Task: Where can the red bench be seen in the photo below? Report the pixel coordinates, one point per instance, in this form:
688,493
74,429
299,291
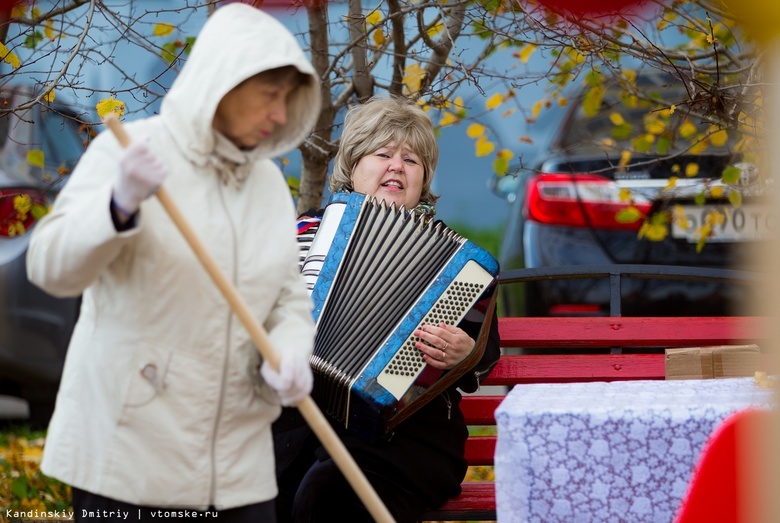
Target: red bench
551,338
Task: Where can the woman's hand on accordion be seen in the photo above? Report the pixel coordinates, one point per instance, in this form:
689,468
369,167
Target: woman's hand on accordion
443,346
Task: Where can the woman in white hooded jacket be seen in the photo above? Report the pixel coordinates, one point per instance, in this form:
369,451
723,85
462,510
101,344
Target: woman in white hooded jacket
161,405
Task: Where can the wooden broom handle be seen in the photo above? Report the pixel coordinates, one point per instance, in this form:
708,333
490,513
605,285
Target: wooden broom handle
307,407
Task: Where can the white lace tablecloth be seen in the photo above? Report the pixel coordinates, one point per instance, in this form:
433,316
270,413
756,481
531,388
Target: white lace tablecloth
604,452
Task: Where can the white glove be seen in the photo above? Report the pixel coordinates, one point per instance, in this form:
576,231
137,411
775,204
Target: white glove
294,380
141,172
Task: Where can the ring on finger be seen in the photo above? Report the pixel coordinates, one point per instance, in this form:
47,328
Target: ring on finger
443,355
444,349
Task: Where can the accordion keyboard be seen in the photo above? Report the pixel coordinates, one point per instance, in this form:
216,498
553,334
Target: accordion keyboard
407,364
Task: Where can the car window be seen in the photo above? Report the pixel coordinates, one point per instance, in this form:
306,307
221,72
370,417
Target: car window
62,143
622,120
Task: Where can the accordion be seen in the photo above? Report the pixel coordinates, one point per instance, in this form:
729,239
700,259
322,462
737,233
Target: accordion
378,274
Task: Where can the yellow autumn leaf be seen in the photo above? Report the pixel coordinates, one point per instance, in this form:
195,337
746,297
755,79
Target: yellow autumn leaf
692,169
616,119
526,139
680,218
448,119
458,103
501,163
715,218
374,17
537,108
435,29
526,52
630,75
624,195
687,129
48,29
719,137
108,105
22,204
49,97
735,198
500,166
702,233
628,214
19,11
509,112
379,38
672,109
655,232
625,158
413,77
35,158
699,147
9,56
563,101
607,143
483,146
717,191
655,125
494,101
671,184
33,454
162,29
475,130
505,154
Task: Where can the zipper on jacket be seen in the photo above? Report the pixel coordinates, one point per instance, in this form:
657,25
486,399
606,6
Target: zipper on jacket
446,396
479,373
226,359
478,376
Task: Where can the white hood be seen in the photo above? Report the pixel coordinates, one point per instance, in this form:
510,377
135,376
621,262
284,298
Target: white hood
236,43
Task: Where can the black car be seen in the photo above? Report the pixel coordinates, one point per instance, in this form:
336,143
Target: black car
39,145
579,201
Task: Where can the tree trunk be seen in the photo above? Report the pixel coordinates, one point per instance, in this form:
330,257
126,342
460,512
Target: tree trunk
318,150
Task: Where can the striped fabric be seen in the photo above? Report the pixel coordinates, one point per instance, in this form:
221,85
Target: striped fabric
307,228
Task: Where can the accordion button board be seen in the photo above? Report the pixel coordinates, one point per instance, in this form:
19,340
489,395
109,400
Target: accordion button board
407,364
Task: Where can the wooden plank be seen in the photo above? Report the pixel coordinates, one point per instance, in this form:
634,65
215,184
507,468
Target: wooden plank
480,450
477,502
633,332
478,410
511,370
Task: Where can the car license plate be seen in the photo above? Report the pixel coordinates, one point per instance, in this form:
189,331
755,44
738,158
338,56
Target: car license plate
744,223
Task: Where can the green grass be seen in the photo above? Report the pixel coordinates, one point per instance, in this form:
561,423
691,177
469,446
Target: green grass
489,239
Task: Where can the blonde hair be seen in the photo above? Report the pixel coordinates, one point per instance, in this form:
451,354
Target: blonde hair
377,123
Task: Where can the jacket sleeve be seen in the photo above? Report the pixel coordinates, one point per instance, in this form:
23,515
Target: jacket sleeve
77,240
472,325
290,323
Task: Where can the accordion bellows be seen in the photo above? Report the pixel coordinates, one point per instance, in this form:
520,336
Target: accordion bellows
381,273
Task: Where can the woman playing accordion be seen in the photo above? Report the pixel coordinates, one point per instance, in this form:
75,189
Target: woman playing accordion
389,152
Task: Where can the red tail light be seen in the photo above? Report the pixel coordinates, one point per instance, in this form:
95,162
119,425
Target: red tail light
580,200
19,209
